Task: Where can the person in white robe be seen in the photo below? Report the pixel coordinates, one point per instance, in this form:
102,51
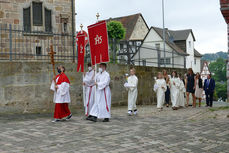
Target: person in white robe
160,88
89,85
102,106
131,85
182,91
61,95
174,90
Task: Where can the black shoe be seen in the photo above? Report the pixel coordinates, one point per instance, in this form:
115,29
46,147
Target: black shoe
88,118
69,116
106,120
93,119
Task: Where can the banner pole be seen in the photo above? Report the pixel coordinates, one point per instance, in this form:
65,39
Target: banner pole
97,16
95,79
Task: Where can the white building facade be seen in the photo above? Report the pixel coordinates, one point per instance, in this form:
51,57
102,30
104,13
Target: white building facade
151,52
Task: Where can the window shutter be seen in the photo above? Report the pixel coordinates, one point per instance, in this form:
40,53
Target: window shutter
26,19
37,14
48,20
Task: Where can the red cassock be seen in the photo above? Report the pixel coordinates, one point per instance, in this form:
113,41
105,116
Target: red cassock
62,97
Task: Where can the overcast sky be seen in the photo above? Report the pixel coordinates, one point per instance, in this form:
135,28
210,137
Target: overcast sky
203,16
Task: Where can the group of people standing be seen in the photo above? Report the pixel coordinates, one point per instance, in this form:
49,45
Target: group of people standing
176,87
97,101
97,93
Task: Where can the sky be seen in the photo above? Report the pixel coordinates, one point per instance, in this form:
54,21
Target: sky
202,16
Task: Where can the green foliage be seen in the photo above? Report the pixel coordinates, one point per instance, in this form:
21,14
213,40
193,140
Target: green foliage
116,30
219,108
218,68
221,90
215,96
215,56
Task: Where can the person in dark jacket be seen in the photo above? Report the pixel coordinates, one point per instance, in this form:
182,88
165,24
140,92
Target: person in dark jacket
167,93
209,87
198,88
190,87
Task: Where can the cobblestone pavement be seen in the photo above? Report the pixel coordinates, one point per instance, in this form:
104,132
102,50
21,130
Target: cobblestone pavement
185,130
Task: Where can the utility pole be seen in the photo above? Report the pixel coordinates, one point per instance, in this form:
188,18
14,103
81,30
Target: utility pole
163,18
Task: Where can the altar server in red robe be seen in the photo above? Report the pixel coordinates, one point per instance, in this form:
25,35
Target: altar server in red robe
61,95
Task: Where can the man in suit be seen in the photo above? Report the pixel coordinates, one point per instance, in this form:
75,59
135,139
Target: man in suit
209,87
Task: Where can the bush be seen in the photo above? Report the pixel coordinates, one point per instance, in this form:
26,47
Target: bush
221,90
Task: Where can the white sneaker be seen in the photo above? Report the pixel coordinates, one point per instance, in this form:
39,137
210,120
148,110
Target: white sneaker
129,113
135,112
56,120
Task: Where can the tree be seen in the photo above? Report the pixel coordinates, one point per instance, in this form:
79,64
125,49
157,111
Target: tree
218,69
116,30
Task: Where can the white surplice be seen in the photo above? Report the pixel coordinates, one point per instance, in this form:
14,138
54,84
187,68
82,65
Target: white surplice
160,88
102,105
89,91
62,94
131,85
181,93
174,91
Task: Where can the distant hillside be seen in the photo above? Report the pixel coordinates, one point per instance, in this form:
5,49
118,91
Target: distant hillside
213,57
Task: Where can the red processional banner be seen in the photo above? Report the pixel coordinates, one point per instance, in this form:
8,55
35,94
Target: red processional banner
98,40
82,40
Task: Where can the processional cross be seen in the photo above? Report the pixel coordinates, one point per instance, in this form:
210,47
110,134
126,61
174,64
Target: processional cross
51,54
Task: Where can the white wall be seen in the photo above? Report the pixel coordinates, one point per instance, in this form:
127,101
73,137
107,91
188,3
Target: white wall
190,51
140,30
196,67
190,60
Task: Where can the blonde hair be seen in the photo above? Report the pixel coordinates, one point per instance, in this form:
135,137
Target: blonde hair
133,69
159,74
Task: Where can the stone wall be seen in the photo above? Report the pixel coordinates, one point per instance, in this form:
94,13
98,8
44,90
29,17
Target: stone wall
11,11
24,86
37,40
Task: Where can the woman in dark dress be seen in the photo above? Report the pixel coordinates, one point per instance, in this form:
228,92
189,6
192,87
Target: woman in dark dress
190,87
167,93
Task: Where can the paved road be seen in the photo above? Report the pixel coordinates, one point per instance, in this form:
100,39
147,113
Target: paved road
186,130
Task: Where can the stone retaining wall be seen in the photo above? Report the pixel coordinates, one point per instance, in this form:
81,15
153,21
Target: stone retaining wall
24,86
